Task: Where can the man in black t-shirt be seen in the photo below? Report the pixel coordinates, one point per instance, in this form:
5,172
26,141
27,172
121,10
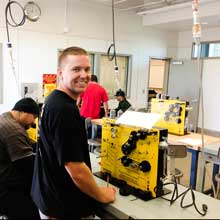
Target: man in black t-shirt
63,184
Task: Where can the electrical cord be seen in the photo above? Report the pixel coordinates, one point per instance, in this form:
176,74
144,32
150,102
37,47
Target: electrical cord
197,38
13,23
112,46
10,21
176,195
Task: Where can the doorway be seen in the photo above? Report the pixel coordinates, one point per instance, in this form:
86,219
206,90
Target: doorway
158,77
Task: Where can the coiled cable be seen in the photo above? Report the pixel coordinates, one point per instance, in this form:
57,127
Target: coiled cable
112,46
8,14
176,195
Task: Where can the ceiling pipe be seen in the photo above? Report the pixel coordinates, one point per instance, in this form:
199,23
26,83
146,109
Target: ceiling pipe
120,1
173,7
143,5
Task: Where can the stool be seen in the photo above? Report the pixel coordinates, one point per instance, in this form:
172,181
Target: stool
94,145
94,142
178,175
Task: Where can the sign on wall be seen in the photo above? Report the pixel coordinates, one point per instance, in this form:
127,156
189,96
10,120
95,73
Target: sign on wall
49,83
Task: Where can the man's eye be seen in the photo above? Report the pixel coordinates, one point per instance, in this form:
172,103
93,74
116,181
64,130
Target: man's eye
76,69
87,70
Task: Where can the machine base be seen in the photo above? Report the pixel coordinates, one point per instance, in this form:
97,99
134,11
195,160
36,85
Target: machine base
125,189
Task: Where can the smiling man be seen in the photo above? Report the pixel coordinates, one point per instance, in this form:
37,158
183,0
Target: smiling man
63,184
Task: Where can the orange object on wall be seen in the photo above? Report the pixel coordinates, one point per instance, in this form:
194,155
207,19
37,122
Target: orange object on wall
49,79
49,83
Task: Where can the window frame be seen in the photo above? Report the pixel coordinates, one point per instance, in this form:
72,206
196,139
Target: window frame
205,56
97,67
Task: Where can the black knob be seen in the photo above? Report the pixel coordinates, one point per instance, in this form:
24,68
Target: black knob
178,120
126,161
145,166
133,136
128,148
142,134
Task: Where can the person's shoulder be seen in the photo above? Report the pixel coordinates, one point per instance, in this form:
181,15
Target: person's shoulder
6,117
3,115
58,102
127,101
102,88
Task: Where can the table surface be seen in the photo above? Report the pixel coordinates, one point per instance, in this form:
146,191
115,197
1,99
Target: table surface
126,207
213,148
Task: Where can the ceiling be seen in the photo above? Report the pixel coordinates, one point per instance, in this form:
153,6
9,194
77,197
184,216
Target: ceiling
146,7
138,6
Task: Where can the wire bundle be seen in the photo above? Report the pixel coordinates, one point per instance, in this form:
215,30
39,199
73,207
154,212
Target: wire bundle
176,195
8,14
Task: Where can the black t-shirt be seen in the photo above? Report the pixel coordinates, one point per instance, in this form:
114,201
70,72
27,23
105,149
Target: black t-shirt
62,139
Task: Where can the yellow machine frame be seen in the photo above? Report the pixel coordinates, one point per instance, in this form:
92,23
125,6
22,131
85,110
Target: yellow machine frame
174,113
130,156
32,132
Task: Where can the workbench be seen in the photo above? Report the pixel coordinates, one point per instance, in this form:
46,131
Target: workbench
129,207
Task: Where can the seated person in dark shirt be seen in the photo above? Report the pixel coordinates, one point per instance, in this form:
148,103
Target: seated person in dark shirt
17,161
123,104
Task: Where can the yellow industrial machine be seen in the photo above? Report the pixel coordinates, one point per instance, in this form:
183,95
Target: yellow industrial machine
131,159
174,113
48,88
32,132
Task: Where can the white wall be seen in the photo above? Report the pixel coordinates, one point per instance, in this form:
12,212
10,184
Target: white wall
185,40
211,76
211,88
36,44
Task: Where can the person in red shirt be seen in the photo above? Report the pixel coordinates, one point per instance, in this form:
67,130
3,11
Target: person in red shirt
92,99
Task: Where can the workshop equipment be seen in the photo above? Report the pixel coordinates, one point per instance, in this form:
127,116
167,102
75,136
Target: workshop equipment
132,159
174,114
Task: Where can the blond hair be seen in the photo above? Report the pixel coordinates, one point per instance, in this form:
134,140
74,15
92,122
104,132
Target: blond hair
71,51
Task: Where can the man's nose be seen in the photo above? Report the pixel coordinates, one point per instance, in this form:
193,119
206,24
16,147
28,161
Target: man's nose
84,73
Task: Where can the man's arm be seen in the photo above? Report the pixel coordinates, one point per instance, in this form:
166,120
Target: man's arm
105,105
84,180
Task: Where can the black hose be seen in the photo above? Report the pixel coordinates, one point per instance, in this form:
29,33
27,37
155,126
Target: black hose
176,196
8,13
112,46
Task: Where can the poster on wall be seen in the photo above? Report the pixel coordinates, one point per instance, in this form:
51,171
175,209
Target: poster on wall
49,83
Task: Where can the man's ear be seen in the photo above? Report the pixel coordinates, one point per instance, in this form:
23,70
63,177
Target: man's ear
60,73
